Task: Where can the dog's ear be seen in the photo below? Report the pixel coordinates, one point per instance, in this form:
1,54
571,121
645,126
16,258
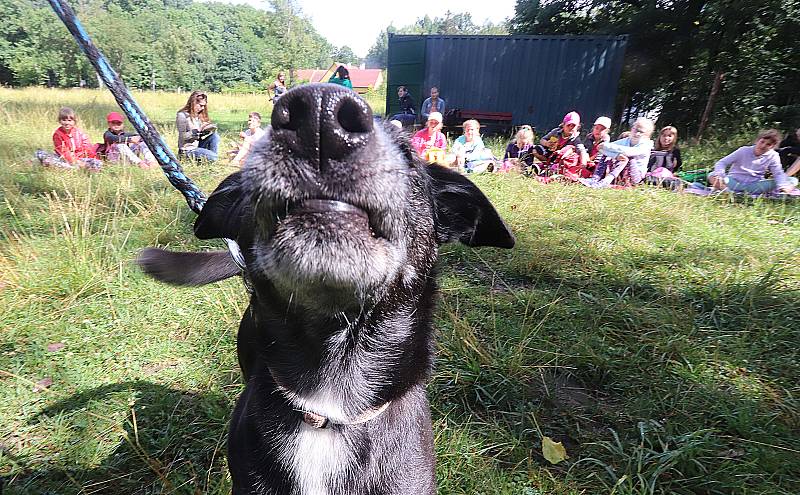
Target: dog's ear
178,268
223,213
464,213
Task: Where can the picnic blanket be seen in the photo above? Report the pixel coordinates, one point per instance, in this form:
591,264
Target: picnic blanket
698,175
702,190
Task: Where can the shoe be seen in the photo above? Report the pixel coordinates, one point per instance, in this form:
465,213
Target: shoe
41,155
588,182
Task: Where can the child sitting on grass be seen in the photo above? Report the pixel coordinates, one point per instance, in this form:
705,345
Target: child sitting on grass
563,136
71,145
249,136
626,159
789,151
519,152
665,159
592,142
430,138
120,145
469,153
744,169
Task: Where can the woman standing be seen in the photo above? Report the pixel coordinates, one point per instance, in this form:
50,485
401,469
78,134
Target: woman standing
278,87
341,77
197,136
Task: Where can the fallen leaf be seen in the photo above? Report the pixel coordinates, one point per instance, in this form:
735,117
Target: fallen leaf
55,347
553,451
43,384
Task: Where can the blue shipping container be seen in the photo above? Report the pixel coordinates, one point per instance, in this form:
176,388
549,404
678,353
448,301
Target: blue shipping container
537,79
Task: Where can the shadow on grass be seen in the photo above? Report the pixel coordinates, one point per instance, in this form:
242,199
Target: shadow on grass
609,349
132,437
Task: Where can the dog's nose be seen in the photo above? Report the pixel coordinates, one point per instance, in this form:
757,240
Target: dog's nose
322,122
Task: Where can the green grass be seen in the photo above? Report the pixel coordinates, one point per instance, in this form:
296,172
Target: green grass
655,335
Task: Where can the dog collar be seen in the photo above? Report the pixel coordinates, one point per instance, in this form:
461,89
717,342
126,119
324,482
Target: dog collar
316,421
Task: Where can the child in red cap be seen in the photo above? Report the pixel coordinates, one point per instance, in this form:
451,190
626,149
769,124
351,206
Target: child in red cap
71,145
120,145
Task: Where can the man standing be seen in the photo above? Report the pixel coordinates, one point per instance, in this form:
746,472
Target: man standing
432,104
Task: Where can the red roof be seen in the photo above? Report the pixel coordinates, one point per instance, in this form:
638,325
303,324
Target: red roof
361,78
311,75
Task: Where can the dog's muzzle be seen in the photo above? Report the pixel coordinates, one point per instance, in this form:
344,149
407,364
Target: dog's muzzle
321,123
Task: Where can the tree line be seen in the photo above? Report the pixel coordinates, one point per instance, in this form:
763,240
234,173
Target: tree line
450,23
725,63
696,62
162,44
728,64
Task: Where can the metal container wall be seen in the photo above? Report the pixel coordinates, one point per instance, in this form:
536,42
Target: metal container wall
536,78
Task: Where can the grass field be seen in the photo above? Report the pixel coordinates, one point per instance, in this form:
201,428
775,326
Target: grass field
654,334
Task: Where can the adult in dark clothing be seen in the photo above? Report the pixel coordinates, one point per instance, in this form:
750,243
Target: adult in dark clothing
197,135
789,151
278,87
408,113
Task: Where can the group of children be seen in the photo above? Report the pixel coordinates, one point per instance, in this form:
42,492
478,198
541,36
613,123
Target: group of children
73,149
197,139
596,161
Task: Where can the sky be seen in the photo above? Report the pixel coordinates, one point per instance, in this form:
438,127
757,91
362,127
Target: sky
358,24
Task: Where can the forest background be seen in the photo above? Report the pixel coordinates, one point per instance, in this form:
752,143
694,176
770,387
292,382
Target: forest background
723,64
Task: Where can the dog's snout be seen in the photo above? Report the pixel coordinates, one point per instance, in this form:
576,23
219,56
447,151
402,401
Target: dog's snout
322,122
294,112
353,115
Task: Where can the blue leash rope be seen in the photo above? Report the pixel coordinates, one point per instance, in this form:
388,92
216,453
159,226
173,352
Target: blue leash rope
166,159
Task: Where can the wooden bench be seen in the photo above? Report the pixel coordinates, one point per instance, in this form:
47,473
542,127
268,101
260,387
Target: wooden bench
491,122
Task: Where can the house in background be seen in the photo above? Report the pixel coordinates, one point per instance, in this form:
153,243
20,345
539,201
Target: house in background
363,79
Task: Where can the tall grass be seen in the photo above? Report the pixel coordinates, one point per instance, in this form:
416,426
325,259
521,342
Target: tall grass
654,334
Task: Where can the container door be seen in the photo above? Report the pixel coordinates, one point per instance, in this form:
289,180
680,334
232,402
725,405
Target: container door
405,67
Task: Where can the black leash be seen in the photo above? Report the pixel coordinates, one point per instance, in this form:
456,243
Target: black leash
166,159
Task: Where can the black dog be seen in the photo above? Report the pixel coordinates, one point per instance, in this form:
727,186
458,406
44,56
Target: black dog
339,223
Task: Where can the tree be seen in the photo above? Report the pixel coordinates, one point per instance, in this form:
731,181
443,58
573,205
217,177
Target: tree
377,55
678,50
161,43
345,55
451,23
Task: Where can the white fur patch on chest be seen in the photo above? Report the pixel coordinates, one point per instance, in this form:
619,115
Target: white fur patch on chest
317,458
